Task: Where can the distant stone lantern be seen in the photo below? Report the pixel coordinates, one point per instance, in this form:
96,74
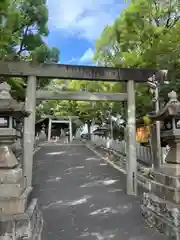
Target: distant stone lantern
170,131
20,217
161,207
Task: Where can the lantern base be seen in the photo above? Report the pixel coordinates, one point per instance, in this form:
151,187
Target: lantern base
161,207
27,225
12,190
15,205
173,155
162,215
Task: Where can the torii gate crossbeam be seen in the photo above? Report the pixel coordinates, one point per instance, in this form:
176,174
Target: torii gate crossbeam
81,96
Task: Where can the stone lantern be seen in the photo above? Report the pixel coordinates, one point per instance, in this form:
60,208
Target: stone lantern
17,209
161,207
11,115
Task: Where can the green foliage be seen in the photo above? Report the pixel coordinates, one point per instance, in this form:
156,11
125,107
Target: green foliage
145,35
96,110
23,24
86,110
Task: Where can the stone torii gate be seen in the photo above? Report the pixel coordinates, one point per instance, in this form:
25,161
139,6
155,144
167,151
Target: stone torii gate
33,71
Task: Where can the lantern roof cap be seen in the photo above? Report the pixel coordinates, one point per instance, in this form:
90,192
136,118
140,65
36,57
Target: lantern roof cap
8,105
171,109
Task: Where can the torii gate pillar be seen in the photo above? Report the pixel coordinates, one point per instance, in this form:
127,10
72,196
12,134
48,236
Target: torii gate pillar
131,181
29,129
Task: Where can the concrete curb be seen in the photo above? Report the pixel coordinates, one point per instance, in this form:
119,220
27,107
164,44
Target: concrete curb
64,144
112,164
38,147
106,159
36,150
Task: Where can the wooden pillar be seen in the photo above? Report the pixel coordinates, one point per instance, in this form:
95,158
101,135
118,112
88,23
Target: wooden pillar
70,130
29,129
49,129
131,144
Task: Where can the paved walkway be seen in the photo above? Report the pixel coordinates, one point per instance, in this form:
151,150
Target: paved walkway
83,198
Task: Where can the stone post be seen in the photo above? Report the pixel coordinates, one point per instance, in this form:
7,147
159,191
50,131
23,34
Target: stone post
42,135
131,164
70,130
20,217
161,207
49,129
29,129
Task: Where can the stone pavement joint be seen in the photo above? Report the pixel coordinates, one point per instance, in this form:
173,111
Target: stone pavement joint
82,197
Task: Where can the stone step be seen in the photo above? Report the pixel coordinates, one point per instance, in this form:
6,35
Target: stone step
11,175
15,205
27,225
11,190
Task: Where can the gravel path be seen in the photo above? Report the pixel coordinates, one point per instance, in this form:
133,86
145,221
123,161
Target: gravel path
81,197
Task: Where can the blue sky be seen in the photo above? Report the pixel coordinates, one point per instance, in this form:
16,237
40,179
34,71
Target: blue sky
75,25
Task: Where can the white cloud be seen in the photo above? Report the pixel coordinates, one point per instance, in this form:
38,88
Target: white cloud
73,60
87,56
82,18
84,59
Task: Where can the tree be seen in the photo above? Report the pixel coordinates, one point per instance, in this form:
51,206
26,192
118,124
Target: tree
87,111
23,27
96,110
142,37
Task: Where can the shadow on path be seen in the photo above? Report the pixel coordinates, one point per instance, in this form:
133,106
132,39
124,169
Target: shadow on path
83,198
